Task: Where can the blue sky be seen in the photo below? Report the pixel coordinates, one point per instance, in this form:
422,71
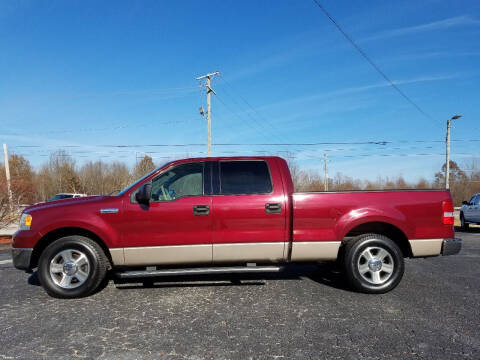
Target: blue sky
78,75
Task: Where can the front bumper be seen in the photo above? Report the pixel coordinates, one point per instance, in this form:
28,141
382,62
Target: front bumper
21,258
451,246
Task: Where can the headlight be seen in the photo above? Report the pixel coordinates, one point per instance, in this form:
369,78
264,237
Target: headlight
25,221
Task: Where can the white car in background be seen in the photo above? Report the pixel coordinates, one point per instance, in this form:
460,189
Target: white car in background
62,196
470,212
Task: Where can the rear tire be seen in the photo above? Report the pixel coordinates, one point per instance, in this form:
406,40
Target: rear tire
71,267
464,225
373,263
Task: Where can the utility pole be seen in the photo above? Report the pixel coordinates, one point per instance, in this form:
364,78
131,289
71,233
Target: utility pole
209,108
325,172
447,170
7,173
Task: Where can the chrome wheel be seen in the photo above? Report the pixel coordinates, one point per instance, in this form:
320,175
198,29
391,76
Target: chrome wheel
375,265
69,268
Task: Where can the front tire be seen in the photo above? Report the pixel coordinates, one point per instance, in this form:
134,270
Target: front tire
71,267
464,225
373,263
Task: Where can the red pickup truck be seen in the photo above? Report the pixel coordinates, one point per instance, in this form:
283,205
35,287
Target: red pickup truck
230,215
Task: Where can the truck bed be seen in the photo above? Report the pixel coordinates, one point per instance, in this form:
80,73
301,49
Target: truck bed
330,216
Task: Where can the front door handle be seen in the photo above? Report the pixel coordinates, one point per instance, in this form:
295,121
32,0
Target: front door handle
201,210
273,208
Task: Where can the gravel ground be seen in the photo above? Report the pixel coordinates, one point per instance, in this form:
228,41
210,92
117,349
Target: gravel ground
306,313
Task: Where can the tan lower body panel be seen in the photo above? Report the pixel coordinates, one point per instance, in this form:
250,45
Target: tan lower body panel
118,257
267,251
315,250
166,255
426,247
224,253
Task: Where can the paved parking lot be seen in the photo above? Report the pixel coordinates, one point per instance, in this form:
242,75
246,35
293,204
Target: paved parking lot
305,313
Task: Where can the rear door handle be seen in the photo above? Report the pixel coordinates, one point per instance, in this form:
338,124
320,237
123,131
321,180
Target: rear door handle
273,208
201,210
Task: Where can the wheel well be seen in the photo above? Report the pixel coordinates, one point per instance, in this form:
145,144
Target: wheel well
388,230
62,232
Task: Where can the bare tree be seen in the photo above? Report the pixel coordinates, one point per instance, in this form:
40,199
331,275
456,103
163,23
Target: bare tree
58,175
7,213
423,184
102,178
10,211
145,166
118,177
22,179
459,182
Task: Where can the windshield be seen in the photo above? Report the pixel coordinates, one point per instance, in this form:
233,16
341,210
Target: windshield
140,180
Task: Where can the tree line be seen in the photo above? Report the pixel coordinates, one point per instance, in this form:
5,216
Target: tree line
463,182
61,174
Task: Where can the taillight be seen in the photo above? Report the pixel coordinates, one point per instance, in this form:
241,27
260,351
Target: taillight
447,208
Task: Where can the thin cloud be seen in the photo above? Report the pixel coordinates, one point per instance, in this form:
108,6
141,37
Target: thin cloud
456,21
358,89
289,49
429,55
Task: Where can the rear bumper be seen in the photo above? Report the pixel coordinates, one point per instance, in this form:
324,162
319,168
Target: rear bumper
21,258
451,246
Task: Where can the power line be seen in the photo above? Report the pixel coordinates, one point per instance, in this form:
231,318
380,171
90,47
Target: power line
309,153
273,132
371,62
106,128
261,128
305,156
265,120
376,142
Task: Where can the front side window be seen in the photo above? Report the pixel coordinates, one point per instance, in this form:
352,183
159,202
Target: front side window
475,200
244,177
180,181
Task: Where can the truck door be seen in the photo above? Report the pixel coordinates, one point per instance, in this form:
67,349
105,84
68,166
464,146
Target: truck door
249,221
469,211
475,209
176,226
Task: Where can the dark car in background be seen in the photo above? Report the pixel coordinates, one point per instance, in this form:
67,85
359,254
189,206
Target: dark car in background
62,196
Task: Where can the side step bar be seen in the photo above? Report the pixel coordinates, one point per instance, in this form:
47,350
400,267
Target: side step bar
198,271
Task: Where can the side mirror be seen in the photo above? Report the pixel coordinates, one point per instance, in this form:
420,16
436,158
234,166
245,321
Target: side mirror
465,202
144,194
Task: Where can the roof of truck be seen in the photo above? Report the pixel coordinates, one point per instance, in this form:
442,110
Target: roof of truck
215,158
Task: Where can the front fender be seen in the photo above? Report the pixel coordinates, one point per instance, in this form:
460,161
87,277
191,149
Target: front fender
93,224
356,217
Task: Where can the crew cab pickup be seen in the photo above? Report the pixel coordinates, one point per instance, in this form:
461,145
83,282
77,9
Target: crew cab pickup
230,215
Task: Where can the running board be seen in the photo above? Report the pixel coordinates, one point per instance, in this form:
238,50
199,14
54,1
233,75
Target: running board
198,271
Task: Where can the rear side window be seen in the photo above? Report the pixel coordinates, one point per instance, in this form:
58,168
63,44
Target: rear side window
244,177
